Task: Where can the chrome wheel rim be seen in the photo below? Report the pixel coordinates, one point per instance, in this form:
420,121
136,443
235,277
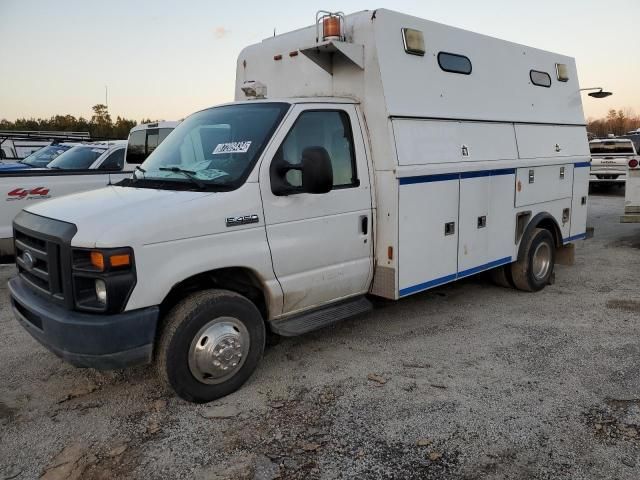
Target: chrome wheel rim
541,263
219,350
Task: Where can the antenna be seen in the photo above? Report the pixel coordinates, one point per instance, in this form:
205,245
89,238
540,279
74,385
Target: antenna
106,104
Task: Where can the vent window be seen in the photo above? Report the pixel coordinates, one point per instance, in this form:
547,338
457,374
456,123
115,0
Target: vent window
541,79
454,63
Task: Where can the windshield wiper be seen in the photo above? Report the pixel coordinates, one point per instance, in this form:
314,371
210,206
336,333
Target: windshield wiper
190,174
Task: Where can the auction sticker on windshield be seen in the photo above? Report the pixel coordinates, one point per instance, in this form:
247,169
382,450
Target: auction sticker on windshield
232,147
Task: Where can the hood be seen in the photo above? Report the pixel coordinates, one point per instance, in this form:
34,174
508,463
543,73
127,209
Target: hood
125,216
4,166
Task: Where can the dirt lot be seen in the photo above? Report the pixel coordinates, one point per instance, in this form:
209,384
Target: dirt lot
466,381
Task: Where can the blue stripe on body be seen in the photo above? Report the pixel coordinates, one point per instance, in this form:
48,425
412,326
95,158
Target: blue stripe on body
450,278
580,236
441,177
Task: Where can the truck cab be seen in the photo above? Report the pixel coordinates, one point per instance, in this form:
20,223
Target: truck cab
327,181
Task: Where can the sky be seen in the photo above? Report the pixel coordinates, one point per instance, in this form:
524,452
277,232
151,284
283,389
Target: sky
166,59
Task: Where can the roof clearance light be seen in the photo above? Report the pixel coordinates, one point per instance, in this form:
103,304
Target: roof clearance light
413,41
562,72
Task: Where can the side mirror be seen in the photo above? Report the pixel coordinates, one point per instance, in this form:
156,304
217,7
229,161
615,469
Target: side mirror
316,170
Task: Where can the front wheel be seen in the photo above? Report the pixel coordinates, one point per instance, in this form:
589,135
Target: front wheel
535,269
211,343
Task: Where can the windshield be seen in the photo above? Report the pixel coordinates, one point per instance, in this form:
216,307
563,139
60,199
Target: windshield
612,148
78,158
45,155
218,147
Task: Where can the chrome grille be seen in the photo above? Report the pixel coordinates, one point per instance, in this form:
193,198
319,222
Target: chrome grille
37,260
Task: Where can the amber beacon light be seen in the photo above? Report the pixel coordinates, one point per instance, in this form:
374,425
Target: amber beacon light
332,24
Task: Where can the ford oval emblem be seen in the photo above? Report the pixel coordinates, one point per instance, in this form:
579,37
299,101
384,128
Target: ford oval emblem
28,260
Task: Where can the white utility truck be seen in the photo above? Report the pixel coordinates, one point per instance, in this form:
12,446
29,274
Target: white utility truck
369,154
18,144
79,168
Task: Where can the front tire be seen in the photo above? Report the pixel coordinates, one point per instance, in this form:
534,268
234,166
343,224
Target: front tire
211,343
535,269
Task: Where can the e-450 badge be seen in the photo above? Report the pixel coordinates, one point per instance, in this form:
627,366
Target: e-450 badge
235,221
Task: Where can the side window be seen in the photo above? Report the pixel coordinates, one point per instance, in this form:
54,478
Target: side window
540,79
115,161
454,63
329,129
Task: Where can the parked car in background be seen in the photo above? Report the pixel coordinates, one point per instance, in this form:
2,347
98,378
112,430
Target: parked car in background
38,159
634,136
78,169
144,138
94,155
609,160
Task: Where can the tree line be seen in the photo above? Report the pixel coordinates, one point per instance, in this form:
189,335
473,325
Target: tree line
99,126
617,122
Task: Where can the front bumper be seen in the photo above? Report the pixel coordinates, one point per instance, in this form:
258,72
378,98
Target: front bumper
103,342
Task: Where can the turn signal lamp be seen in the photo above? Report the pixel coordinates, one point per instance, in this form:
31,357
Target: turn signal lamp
123,260
97,260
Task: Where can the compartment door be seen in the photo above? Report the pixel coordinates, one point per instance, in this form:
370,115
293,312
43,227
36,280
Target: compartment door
428,233
543,184
473,246
579,200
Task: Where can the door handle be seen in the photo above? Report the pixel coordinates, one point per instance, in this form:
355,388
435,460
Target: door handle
364,224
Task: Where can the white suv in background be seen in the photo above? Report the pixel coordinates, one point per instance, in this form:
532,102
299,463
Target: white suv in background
609,160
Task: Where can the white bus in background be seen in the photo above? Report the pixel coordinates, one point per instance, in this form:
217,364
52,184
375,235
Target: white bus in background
374,154
144,138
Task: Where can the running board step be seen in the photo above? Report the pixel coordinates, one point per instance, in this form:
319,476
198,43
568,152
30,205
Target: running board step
321,317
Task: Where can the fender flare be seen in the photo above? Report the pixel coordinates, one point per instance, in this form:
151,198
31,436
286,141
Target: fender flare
546,221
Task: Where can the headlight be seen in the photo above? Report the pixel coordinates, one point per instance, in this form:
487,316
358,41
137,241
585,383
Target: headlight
103,278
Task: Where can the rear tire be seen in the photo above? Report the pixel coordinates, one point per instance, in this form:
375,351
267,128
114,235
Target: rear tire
501,276
210,344
535,269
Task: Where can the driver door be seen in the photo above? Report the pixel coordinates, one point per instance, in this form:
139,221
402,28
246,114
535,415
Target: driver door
321,244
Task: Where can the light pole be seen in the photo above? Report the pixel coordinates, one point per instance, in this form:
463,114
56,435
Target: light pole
598,94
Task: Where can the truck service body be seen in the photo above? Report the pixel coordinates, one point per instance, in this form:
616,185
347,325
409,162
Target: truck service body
369,154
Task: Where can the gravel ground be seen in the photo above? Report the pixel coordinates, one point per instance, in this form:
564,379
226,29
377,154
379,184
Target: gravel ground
466,381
